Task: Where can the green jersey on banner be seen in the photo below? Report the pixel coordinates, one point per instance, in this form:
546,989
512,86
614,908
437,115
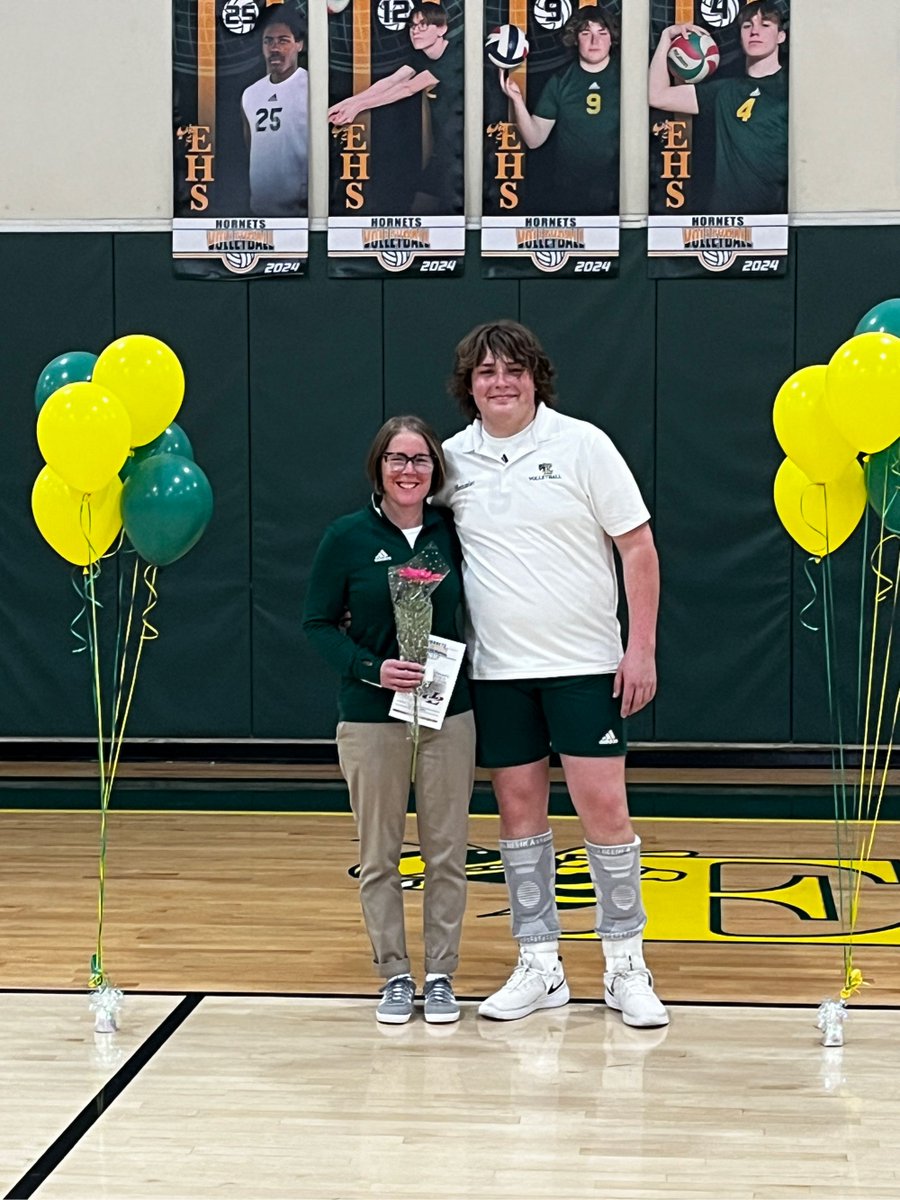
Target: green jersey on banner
751,135
585,107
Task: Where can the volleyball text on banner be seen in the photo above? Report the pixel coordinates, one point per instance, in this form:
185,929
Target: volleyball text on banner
551,138
241,136
718,94
395,121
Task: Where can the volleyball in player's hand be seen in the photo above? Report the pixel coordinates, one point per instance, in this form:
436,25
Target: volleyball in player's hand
336,6
693,57
506,47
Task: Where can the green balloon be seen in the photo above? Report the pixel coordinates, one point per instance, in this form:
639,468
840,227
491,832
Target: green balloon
75,366
166,505
883,485
172,440
883,318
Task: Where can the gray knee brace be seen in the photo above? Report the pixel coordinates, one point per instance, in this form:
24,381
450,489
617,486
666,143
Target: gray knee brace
530,868
616,872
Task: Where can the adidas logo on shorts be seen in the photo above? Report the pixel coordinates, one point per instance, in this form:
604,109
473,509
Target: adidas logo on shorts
382,556
608,739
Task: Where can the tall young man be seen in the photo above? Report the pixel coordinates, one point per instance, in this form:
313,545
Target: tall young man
542,503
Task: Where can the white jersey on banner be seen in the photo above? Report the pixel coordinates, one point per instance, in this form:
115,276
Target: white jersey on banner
277,117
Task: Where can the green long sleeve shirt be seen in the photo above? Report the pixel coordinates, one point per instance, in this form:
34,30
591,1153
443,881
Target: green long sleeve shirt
350,572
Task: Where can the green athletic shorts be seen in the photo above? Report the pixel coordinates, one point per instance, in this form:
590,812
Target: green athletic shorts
520,721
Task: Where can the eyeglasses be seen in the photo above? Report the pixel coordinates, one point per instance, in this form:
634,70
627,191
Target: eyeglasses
419,462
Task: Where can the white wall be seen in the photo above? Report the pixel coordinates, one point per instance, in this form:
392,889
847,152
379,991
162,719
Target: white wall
85,93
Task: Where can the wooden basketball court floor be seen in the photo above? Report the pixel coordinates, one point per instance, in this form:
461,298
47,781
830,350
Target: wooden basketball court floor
248,1062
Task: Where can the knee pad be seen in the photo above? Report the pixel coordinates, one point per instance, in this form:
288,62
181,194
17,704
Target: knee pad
616,872
530,868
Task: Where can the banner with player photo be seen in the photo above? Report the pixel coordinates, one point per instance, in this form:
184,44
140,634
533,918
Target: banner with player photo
395,94
240,104
718,93
551,138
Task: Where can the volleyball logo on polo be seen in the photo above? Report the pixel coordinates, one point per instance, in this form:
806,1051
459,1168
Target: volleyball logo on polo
551,14
693,57
506,47
240,16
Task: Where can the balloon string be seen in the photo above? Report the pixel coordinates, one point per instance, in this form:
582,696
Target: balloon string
91,574
814,597
872,809
870,677
863,579
885,583
838,764
823,533
122,645
120,649
98,975
78,583
148,634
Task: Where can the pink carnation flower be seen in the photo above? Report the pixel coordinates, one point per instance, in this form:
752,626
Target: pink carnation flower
419,575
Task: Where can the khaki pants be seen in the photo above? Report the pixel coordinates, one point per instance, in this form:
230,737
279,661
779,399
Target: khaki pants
375,760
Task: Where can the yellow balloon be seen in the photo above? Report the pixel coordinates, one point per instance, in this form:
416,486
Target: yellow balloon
147,377
79,527
819,516
862,390
804,429
84,434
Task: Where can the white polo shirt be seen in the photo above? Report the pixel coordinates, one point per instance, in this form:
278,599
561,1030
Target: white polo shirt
539,573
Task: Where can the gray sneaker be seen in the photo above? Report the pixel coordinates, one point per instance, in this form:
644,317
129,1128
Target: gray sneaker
440,1003
396,1005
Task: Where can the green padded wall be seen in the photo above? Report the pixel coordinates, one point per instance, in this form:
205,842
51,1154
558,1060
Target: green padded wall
56,294
194,679
723,347
316,372
288,381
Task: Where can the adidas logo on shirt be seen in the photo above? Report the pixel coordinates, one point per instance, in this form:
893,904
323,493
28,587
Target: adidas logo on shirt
608,739
274,96
382,556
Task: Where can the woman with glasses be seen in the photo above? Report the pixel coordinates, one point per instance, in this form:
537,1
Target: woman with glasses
350,575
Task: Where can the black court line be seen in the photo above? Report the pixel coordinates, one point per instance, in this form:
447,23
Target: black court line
798,1005
75,1131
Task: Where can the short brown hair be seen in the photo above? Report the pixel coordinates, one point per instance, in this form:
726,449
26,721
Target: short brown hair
514,344
430,12
590,14
382,440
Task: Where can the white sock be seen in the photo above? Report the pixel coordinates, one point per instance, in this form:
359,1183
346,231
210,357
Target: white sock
436,975
545,953
624,954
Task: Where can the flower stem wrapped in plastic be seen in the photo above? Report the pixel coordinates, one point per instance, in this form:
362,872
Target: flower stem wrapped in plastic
411,586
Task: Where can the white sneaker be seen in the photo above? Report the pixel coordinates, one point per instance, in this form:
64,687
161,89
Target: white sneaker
529,988
630,992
